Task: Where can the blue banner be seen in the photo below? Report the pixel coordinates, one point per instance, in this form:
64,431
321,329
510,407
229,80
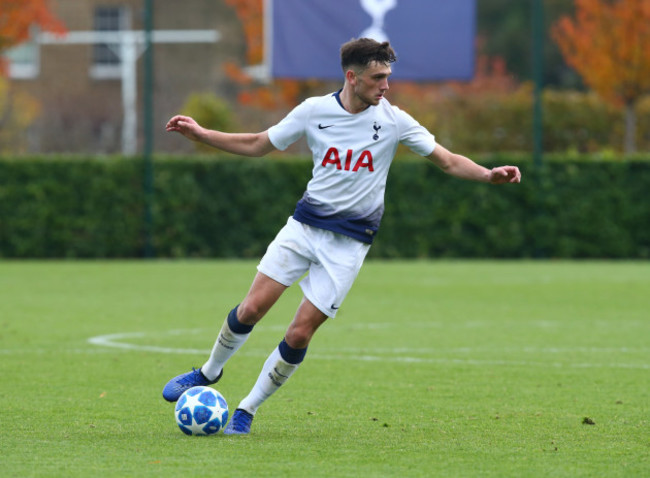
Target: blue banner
433,39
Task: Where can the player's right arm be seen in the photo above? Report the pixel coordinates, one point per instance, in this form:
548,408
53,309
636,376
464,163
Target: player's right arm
244,144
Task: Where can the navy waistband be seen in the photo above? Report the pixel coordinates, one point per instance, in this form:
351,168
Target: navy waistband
355,228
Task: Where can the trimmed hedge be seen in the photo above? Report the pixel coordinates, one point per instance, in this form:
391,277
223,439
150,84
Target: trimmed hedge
565,209
71,208
56,207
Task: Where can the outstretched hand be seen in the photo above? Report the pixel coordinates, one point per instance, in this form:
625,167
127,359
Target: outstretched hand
185,126
505,174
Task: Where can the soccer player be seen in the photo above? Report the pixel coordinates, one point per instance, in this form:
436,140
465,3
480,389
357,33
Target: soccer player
353,135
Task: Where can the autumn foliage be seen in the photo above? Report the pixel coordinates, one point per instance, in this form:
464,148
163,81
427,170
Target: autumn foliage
607,43
18,16
279,94
251,15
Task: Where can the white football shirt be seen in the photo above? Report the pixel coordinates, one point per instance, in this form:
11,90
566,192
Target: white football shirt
352,154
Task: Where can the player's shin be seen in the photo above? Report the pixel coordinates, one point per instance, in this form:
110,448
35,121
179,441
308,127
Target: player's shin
280,365
232,336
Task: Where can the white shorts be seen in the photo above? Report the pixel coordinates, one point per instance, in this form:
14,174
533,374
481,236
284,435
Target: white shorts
332,260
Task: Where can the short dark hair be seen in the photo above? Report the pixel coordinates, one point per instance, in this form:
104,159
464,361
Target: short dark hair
363,51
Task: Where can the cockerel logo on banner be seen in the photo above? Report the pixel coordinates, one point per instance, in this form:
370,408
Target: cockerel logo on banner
433,39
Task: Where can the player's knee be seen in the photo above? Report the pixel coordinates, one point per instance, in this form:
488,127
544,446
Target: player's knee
249,312
298,337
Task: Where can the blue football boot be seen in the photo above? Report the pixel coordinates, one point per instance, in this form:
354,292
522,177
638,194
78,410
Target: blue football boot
239,424
177,385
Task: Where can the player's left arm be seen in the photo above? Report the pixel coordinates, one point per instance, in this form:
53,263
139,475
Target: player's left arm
464,168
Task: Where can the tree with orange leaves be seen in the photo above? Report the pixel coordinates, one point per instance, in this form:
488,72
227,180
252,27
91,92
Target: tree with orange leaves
18,16
607,43
282,93
18,110
251,15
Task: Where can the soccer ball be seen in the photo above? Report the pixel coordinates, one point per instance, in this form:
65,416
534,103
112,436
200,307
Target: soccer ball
201,411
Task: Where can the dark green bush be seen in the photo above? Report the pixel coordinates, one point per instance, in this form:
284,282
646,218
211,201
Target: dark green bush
56,207
230,207
565,209
223,208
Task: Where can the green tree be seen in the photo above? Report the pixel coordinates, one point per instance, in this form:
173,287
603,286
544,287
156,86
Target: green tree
503,27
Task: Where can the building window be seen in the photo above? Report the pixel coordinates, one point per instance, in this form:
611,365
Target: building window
24,60
106,55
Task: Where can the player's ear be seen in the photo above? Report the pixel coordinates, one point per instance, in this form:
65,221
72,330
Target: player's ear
351,77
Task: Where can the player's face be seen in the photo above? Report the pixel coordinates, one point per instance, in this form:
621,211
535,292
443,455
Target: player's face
372,83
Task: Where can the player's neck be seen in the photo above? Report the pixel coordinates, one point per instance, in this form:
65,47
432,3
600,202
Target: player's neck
351,102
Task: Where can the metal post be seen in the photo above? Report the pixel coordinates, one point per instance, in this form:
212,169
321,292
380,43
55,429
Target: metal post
537,21
128,59
537,13
148,130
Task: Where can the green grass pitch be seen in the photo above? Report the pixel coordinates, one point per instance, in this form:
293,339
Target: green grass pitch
460,368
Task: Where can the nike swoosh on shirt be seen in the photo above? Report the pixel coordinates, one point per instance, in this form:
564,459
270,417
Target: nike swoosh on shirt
320,126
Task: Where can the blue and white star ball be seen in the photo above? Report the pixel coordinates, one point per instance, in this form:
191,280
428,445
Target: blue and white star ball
201,411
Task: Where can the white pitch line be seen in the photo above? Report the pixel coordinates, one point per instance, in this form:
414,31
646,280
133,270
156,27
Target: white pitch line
111,340
386,355
454,361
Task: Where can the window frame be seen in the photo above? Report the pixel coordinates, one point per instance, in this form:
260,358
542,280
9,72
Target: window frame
108,69
31,68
